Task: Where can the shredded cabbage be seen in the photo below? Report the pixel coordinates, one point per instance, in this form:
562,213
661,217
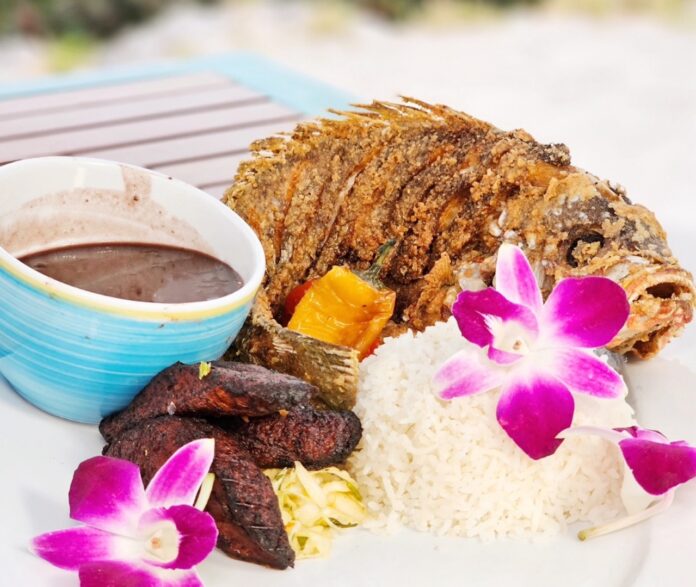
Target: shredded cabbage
314,504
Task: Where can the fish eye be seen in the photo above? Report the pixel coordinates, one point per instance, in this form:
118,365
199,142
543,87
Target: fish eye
578,247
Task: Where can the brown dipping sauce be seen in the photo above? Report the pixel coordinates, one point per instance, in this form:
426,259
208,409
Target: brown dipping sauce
139,272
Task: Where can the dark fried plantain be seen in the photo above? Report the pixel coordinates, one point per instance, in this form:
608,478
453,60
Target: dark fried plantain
316,438
243,503
230,389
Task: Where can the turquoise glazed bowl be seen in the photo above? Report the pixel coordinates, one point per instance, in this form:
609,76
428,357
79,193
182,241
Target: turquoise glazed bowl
81,355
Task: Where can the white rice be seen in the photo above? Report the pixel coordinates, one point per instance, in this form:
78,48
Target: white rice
448,467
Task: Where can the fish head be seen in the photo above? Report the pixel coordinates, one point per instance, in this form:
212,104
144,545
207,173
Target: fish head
586,226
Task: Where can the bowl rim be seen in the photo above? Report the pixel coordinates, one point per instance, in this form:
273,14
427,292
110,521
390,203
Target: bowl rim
156,311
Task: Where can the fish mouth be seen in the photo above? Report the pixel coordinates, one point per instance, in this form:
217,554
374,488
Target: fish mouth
662,304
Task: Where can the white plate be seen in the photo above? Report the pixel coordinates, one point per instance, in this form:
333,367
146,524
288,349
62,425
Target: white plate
40,452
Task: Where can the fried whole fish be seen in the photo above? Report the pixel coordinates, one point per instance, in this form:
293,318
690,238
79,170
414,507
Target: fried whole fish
449,189
230,389
242,502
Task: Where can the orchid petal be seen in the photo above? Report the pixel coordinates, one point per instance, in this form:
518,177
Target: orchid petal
645,434
533,411
502,357
70,549
635,499
476,312
125,574
514,277
657,466
582,372
179,479
616,435
464,374
195,533
108,494
585,312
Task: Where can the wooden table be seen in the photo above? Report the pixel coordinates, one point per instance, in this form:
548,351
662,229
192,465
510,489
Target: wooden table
192,120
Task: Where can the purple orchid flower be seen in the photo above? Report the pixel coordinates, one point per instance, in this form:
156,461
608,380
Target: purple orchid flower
134,536
537,352
653,468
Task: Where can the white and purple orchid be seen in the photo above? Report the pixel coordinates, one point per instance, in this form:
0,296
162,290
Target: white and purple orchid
653,468
538,353
135,536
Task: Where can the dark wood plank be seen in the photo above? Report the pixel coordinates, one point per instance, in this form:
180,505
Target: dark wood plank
205,172
217,190
126,111
72,99
116,135
168,151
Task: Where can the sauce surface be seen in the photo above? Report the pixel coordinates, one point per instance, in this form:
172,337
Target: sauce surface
139,272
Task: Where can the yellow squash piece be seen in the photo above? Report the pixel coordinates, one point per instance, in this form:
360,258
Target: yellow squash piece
347,308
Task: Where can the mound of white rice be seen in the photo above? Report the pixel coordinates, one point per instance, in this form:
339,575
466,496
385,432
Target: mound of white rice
449,468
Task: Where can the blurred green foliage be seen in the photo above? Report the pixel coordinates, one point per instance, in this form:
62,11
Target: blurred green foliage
80,19
102,18
99,18
400,9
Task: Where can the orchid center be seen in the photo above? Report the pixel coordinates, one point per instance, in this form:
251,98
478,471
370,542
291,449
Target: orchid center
511,336
162,542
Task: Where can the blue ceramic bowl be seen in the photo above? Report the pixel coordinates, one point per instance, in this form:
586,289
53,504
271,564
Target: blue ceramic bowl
81,355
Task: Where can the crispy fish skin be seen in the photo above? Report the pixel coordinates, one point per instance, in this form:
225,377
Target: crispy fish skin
450,189
316,438
264,341
242,502
229,389
616,239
